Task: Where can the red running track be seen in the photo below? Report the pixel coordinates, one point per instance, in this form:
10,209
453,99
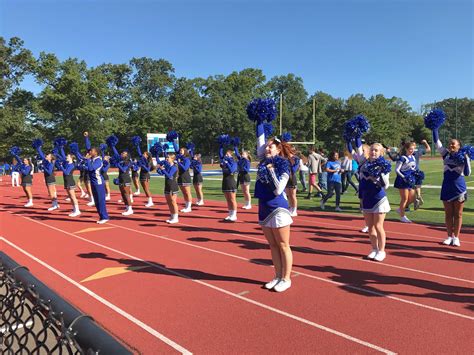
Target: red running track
196,286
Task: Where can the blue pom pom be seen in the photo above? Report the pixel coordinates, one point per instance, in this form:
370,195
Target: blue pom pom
74,147
235,141
190,146
116,181
378,167
156,149
55,152
259,110
166,147
280,165
468,150
419,177
268,130
103,147
171,136
112,140
223,139
136,140
435,119
286,137
356,127
15,150
60,142
37,143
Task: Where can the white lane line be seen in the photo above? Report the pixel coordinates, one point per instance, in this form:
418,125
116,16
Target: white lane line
102,300
254,262
173,272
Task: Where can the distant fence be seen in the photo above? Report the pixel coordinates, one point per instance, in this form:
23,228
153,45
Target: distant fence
35,320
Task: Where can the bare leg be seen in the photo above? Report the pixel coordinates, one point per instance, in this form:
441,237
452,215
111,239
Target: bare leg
275,251
448,217
457,217
378,223
282,237
369,222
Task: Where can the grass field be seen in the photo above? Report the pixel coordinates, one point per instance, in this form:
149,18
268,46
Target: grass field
431,212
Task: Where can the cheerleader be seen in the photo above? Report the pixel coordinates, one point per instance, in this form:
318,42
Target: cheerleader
124,165
135,168
229,186
86,177
243,176
146,165
457,164
170,171
196,165
93,164
26,170
405,167
334,170
65,163
373,174
273,209
184,177
419,176
104,170
15,173
48,171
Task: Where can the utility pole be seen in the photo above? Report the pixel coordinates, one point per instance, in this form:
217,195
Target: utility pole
281,114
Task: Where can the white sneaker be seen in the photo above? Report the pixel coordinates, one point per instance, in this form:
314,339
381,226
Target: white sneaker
136,193
107,198
283,285
52,208
365,229
232,218
247,207
67,199
321,204
86,196
102,221
380,256
200,203
186,210
294,214
448,241
82,194
149,204
128,212
91,204
227,218
29,204
404,219
456,242
75,214
338,209
372,254
271,284
172,221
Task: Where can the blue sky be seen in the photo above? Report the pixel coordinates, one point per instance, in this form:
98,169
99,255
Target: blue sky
419,50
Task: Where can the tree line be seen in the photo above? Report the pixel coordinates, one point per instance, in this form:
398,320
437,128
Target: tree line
145,96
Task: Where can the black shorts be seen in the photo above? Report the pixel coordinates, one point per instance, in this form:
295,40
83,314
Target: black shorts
105,176
292,182
69,183
134,174
26,180
184,179
86,178
243,178
197,179
124,179
229,184
171,187
50,180
145,176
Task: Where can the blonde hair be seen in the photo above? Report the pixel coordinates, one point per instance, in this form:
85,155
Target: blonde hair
380,146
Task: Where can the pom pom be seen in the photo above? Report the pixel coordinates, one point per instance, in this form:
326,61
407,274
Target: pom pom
259,110
419,177
116,181
171,136
15,150
468,150
60,142
355,127
166,147
112,140
286,137
55,152
136,140
435,119
235,141
156,149
74,147
378,167
190,146
268,130
103,147
280,165
37,143
135,166
223,139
